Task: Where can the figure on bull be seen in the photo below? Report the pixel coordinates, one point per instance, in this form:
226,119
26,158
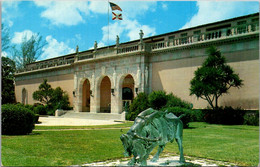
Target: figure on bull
152,128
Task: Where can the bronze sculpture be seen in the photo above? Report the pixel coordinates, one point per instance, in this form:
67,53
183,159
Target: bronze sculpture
152,128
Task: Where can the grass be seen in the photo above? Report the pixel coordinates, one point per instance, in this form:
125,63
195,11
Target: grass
236,144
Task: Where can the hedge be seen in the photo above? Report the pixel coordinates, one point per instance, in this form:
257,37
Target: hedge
178,111
17,120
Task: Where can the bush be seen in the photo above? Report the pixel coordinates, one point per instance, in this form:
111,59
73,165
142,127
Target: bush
226,116
178,111
36,118
52,98
251,118
40,109
17,120
140,103
157,99
174,101
197,115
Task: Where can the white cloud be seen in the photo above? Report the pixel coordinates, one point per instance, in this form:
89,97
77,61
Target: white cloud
132,9
164,6
64,12
212,11
74,12
4,54
18,36
55,48
7,16
128,28
98,7
78,37
6,5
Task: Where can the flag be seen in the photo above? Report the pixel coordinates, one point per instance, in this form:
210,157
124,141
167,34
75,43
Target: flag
114,6
117,16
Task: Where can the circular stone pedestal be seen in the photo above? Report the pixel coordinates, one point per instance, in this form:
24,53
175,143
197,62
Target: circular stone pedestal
168,160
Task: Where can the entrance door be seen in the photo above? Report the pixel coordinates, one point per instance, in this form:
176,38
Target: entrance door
86,96
105,95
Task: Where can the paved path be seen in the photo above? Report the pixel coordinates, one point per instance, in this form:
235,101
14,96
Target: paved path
166,160
59,121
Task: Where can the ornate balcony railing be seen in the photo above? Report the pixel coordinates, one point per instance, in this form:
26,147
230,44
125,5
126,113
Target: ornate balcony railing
128,49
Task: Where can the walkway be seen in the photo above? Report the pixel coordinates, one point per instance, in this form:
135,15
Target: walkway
59,121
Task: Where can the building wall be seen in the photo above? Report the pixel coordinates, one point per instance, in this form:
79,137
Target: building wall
31,85
175,75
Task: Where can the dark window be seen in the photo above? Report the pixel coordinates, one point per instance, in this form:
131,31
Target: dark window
241,22
127,93
255,20
197,32
184,35
218,27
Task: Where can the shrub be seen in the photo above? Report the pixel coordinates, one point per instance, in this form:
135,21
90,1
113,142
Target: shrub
17,120
52,98
226,116
140,103
40,109
197,115
36,118
157,99
251,118
30,107
174,101
178,111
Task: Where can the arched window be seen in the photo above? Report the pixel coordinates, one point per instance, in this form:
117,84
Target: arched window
24,96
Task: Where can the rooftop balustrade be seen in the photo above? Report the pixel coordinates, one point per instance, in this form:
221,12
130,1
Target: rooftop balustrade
138,46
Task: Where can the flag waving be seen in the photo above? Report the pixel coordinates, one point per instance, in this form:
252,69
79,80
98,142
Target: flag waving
117,16
114,6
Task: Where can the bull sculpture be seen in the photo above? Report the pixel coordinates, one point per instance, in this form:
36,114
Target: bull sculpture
152,128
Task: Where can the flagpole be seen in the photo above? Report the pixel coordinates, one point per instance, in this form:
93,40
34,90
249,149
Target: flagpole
108,21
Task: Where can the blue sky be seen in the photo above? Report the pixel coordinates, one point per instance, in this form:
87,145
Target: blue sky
66,24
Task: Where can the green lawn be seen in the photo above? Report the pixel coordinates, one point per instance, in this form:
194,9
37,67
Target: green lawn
237,144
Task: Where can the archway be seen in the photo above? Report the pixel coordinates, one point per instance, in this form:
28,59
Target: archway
105,95
86,96
128,90
24,96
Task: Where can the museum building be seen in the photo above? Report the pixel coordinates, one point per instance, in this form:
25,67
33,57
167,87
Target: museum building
101,80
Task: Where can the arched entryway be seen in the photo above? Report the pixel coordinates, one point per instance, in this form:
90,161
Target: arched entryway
86,96
24,96
105,95
128,89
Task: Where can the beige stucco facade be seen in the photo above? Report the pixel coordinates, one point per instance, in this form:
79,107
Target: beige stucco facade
95,79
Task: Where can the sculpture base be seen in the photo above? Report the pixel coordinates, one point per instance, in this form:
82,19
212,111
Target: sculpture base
167,160
164,161
159,163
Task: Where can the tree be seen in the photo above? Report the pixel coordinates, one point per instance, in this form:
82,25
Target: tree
29,51
59,99
214,78
5,40
52,98
8,69
44,93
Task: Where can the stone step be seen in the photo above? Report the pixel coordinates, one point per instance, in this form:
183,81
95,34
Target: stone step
97,116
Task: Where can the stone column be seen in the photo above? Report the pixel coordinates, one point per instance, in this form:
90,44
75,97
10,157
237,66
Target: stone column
116,104
93,96
95,104
249,29
77,94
